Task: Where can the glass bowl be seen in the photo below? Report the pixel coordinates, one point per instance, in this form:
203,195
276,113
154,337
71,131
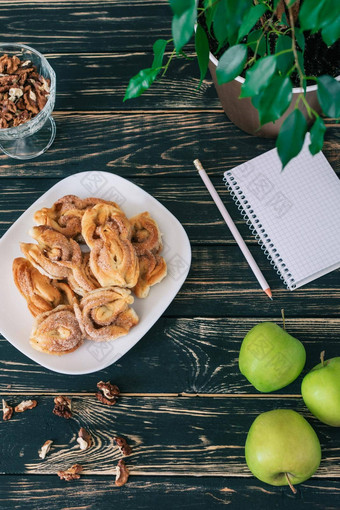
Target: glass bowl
35,136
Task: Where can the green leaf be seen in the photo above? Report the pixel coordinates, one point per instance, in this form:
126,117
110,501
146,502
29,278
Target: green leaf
158,52
202,50
236,10
258,76
180,6
252,39
228,19
141,82
301,60
284,20
183,26
331,32
286,60
317,133
249,20
231,63
309,14
210,13
330,12
291,136
274,100
329,96
220,23
300,38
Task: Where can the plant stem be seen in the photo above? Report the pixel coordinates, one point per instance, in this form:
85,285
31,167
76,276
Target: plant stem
291,22
322,358
283,318
173,53
282,52
311,112
203,9
294,491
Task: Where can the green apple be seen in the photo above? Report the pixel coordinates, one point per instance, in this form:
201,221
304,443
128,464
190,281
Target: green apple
282,448
320,390
270,358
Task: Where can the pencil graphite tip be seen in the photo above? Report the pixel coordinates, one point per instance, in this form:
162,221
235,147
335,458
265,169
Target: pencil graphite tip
269,293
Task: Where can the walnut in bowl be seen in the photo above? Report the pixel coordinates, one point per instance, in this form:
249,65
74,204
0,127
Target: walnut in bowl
27,97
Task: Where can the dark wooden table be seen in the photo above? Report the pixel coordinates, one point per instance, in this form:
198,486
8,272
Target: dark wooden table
185,408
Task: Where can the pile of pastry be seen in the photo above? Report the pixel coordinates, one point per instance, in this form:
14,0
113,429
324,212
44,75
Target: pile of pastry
75,294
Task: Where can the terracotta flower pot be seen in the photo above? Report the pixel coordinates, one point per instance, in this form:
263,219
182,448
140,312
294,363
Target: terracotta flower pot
242,113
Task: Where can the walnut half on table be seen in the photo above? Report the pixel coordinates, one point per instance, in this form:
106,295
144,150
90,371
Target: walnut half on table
72,473
62,407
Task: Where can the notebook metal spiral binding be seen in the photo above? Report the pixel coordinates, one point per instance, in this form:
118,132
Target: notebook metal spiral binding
261,237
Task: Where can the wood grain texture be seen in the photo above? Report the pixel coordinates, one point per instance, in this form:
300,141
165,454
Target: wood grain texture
196,356
99,492
148,144
98,82
221,284
188,437
169,436
94,25
200,216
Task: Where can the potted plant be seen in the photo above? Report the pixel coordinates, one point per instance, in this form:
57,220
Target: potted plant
274,63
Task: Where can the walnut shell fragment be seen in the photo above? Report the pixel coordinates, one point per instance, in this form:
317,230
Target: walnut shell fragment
122,474
84,439
123,446
108,393
45,448
7,411
25,405
72,473
62,407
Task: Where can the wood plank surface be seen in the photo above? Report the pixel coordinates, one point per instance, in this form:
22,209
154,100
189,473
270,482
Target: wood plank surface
98,82
185,408
93,25
202,436
177,356
220,281
99,492
148,144
200,216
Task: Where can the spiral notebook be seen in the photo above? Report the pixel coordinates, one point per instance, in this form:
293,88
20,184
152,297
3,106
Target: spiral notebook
294,214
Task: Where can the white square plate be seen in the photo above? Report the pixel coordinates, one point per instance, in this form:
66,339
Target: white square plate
15,318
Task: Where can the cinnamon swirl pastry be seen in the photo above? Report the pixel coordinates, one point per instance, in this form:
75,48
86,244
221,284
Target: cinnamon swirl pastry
56,331
104,314
68,297
41,293
152,270
54,255
114,262
81,279
101,220
66,213
145,234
